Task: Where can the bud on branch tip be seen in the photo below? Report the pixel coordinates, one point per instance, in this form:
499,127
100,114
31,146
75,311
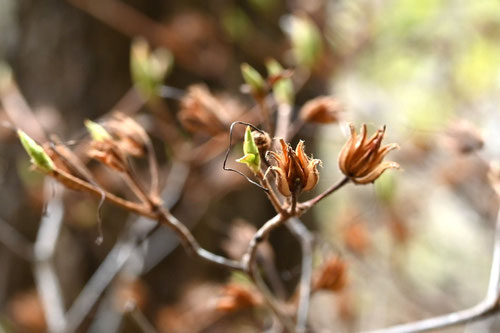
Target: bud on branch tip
253,79
251,152
96,131
38,155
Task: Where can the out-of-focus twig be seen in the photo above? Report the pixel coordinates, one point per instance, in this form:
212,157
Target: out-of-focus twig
46,278
249,266
487,307
306,239
141,320
283,121
122,251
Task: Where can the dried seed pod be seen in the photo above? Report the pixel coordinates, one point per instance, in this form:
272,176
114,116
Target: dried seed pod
236,297
201,112
294,170
356,237
132,138
361,159
262,140
322,110
332,275
108,153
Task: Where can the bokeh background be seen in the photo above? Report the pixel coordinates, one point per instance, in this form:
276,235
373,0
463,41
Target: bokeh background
417,243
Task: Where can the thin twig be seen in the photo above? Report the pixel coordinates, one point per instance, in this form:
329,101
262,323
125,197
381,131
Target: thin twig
310,203
283,121
141,320
248,262
269,298
46,279
306,239
271,194
266,116
488,306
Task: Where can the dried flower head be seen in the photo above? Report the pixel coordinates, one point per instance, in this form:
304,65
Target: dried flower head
236,297
132,138
294,170
108,153
332,275
201,112
361,158
356,237
323,110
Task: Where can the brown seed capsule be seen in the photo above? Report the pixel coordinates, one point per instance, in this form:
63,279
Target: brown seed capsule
201,112
132,138
236,297
108,153
294,170
323,110
332,275
361,159
262,140
356,237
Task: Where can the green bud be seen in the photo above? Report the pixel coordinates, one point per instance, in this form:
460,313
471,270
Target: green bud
96,131
149,68
306,41
38,155
253,79
251,153
283,88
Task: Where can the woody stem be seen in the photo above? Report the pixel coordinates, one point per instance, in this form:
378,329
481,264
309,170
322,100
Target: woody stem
153,211
310,203
270,192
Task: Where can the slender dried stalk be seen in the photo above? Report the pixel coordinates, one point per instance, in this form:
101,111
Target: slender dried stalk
305,238
310,203
48,286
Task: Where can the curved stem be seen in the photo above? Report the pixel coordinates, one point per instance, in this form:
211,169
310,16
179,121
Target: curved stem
310,203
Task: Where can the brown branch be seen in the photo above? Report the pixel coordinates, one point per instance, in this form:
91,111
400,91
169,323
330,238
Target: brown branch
310,203
248,262
305,238
78,184
156,213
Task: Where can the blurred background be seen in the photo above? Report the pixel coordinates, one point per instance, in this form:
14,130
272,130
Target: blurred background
416,244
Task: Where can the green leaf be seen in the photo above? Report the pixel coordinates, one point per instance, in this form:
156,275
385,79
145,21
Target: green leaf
149,68
251,153
253,79
306,41
38,155
283,88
